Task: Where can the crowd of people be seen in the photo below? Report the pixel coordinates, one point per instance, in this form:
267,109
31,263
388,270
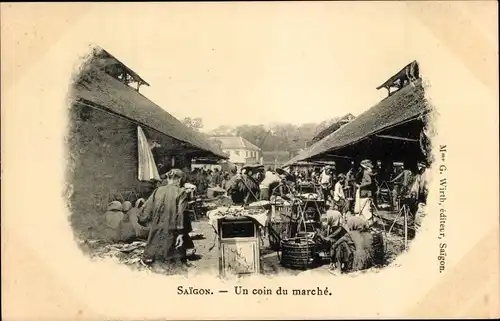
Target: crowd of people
352,197
357,190
161,218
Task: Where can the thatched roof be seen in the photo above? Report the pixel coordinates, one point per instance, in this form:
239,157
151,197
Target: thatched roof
333,127
404,105
97,89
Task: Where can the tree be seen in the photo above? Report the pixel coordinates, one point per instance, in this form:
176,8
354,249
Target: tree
255,134
275,137
216,143
223,130
195,123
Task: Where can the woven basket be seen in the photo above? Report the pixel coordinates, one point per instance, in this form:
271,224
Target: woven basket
298,252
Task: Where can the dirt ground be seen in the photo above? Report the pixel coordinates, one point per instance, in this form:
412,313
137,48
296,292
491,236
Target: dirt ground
205,260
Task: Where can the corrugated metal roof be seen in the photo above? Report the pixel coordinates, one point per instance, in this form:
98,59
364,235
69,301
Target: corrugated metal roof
96,87
235,142
405,104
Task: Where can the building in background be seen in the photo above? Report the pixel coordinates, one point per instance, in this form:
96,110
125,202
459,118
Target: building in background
240,151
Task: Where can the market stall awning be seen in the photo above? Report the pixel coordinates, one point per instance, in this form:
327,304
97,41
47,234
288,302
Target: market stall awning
404,105
97,89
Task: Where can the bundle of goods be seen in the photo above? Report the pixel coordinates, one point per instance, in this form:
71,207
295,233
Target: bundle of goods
309,196
383,206
277,199
258,214
307,188
220,201
259,205
229,210
298,252
214,192
207,206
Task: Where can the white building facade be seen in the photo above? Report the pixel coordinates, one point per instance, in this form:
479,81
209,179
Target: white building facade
240,151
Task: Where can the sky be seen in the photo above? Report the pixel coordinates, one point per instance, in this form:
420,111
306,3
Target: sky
260,63
290,62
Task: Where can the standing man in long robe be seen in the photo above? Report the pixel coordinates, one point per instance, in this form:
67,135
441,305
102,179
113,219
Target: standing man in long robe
169,226
366,187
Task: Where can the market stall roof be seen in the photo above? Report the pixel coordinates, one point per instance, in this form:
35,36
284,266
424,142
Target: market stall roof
104,59
97,89
333,127
404,105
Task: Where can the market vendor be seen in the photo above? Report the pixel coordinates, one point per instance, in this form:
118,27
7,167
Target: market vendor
339,198
270,181
365,190
216,178
231,178
402,184
169,226
337,240
326,181
333,218
285,188
121,224
243,189
419,191
359,231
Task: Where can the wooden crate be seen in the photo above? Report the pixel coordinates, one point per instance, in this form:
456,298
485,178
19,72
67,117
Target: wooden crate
239,246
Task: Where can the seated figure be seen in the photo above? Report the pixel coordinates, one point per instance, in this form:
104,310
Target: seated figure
122,222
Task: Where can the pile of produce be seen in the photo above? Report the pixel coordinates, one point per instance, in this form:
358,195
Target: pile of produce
309,196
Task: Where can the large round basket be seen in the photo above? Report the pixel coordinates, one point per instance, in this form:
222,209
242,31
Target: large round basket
298,252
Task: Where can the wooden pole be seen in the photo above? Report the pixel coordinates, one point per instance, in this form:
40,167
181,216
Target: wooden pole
406,227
